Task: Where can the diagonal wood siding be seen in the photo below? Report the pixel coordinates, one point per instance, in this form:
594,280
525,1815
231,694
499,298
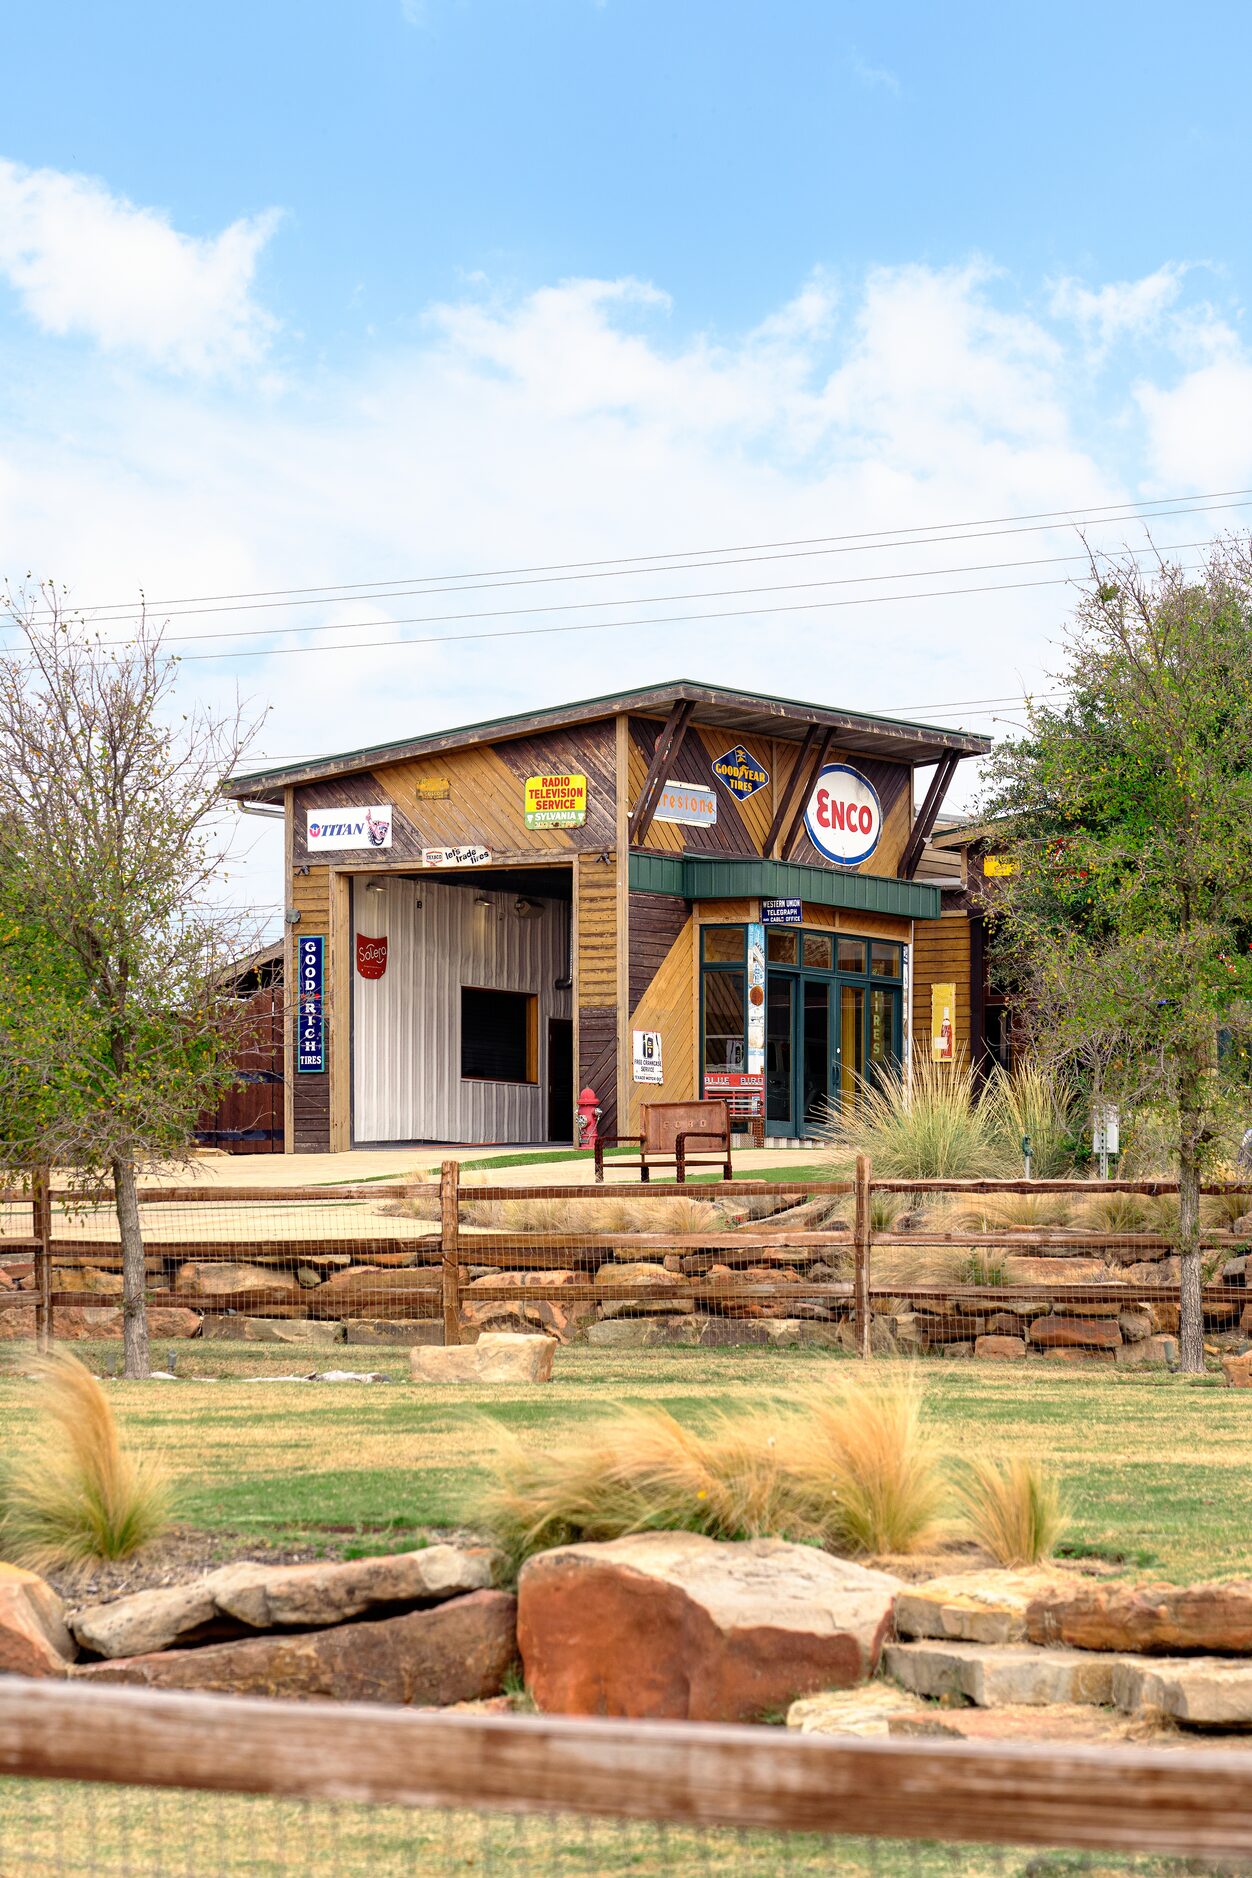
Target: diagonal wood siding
667,1005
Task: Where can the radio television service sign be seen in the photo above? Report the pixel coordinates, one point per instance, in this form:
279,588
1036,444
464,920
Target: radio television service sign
843,816
555,801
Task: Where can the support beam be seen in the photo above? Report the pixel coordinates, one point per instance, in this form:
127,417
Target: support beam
797,814
673,731
793,783
919,835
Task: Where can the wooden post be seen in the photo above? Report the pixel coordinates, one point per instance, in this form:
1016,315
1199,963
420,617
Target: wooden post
41,1208
863,1235
450,1238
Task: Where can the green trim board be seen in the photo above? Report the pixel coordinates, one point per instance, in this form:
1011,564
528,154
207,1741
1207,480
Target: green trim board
708,877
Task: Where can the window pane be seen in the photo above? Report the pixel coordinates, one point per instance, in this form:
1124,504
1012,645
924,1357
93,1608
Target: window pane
852,955
724,1020
723,945
818,951
782,948
882,1029
884,960
498,1032
851,1042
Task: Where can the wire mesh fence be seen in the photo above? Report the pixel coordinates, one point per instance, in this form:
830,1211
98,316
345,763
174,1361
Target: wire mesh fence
1077,1272
137,1784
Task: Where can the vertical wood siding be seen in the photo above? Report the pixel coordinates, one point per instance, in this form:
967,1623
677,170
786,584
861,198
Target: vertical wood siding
596,979
666,1004
406,1025
310,1095
941,956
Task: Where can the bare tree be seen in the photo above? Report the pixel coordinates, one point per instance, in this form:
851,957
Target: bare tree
116,1025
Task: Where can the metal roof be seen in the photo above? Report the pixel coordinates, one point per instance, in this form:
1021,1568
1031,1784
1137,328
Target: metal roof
706,877
742,712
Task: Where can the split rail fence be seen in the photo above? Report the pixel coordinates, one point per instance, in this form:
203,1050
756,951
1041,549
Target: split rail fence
867,1264
134,1782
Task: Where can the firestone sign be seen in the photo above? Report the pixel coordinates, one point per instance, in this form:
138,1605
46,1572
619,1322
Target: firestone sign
843,815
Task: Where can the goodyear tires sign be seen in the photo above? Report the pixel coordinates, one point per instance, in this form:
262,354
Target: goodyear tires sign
740,772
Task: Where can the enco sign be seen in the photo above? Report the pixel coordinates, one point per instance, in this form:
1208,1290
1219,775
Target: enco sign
844,815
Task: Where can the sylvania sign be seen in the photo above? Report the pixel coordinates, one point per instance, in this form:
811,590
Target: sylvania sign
844,815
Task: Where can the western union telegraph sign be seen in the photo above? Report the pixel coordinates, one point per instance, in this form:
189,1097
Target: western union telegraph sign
740,773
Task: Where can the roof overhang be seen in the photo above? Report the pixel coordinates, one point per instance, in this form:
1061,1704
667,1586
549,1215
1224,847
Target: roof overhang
739,713
708,877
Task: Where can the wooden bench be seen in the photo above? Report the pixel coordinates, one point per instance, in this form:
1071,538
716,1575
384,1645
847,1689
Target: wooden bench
668,1128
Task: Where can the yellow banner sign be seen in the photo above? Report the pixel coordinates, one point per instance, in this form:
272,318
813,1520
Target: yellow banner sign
555,801
943,1023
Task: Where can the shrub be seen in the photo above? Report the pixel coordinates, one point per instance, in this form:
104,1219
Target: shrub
79,1497
976,1268
1040,1103
1006,1212
864,1471
848,1465
928,1127
1013,1509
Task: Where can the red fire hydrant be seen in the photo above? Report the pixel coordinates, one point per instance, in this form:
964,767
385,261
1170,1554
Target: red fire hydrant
589,1113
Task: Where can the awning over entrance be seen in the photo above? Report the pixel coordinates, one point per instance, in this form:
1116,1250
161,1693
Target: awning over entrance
701,877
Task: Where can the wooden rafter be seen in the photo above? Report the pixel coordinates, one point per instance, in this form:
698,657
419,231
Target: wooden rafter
919,834
793,783
797,814
672,733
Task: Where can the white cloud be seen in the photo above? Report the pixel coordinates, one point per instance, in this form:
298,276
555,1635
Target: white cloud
86,262
874,77
1121,308
576,423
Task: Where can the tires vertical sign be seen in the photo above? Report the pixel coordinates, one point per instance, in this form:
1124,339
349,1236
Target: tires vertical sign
310,1016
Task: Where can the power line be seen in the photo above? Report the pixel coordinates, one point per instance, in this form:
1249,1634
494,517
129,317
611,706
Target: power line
573,606
599,626
922,534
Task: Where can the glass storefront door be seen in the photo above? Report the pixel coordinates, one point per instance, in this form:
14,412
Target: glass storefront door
833,1018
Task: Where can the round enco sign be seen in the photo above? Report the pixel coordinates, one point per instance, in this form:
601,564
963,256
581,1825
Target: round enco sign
844,815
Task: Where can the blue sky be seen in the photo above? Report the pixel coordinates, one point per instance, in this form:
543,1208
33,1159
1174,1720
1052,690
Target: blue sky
301,296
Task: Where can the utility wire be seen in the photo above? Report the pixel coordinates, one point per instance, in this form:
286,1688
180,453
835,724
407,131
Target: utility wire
922,534
600,626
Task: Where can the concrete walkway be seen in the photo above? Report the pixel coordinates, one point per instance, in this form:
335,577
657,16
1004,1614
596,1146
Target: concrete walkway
383,1164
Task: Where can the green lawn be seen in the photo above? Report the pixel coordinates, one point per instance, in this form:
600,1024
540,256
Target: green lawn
1159,1468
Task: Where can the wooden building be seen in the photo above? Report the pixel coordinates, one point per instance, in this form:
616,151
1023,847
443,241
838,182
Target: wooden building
674,891
952,955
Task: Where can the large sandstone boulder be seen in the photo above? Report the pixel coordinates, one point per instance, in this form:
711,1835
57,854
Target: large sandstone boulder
78,1323
976,1607
1021,1269
1000,1349
1161,1351
522,1315
498,1356
652,1288
91,1278
647,1333
406,1330
234,1329
252,1596
1236,1369
676,1626
211,1279
1200,1692
1075,1333
34,1640
1150,1619
456,1652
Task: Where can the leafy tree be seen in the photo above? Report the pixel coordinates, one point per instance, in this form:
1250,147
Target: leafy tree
116,1027
1128,809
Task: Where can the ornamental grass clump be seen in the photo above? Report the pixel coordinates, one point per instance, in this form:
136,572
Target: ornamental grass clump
79,1497
1013,1509
848,1466
864,1470
1040,1105
927,1126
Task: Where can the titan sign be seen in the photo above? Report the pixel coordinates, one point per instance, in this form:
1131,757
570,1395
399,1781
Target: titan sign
844,815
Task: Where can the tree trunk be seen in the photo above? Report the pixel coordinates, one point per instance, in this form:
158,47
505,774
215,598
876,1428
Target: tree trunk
1191,1312
134,1277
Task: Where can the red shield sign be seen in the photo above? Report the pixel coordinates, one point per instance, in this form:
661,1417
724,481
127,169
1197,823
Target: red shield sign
371,956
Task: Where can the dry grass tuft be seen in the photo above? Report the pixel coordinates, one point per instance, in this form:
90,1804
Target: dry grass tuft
1014,1509
927,1126
848,1465
864,1469
79,1497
